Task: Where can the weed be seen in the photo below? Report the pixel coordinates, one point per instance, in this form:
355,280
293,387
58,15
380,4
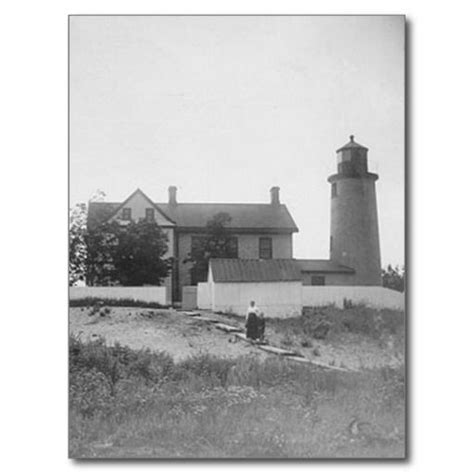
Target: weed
347,303
306,342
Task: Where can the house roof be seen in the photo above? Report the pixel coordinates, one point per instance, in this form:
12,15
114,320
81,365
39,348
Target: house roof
233,270
351,144
140,192
193,216
323,266
244,216
99,212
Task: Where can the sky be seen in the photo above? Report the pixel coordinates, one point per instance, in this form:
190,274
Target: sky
224,108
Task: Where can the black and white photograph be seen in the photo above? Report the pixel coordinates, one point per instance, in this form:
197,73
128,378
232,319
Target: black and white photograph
236,236
237,230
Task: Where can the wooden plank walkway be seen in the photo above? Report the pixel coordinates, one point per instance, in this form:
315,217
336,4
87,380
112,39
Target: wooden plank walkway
204,319
190,313
240,334
228,328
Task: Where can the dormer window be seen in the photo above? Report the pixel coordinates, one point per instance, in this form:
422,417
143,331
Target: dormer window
127,214
150,214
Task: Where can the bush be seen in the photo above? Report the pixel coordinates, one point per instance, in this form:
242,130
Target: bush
120,302
143,402
305,342
118,362
89,392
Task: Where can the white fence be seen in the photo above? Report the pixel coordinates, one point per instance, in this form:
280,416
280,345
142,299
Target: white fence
372,296
147,294
204,296
275,299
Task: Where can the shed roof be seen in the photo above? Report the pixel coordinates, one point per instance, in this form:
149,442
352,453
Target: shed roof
323,266
233,270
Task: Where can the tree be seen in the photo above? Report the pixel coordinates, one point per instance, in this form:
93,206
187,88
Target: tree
215,243
77,244
77,239
394,278
100,243
131,255
139,254
98,196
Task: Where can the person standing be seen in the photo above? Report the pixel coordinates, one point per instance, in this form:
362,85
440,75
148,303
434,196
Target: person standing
252,322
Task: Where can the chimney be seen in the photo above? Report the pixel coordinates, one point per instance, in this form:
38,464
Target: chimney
275,195
172,195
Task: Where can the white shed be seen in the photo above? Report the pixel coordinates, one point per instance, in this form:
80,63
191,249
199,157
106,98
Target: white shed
274,285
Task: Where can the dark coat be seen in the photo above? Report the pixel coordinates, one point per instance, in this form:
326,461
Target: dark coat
251,325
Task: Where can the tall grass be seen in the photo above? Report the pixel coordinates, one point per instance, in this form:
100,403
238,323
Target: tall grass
126,403
357,319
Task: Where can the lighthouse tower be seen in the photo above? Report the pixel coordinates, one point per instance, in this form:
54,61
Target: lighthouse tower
354,239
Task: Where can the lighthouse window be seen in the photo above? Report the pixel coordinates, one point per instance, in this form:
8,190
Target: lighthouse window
333,189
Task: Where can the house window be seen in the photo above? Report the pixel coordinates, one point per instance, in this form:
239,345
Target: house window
150,214
318,280
127,214
333,189
265,250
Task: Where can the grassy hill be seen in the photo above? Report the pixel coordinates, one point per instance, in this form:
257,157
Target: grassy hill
141,403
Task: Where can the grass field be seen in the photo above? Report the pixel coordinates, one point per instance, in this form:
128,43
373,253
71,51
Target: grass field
127,401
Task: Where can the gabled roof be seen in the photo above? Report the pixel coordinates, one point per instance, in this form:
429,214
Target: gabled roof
351,144
100,212
244,216
192,217
233,270
323,266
